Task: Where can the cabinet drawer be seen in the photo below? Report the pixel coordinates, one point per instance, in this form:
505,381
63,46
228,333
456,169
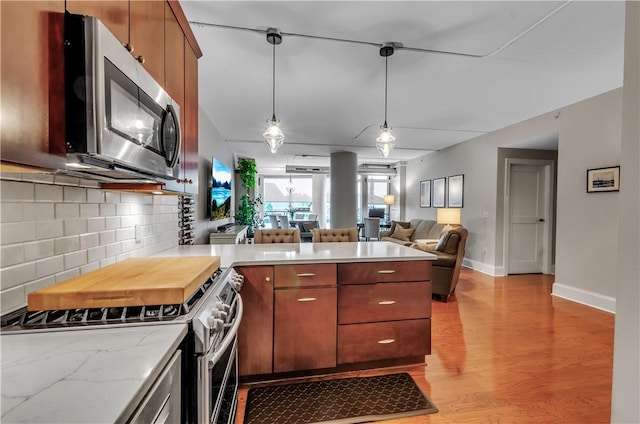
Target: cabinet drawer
304,329
383,302
307,275
383,340
377,272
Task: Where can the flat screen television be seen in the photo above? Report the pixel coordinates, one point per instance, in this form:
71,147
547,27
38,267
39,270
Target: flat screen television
376,213
221,190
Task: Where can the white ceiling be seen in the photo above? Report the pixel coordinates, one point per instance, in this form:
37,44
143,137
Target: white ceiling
330,94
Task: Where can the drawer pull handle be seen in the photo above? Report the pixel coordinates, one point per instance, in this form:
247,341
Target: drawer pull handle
306,274
386,271
386,341
386,302
307,299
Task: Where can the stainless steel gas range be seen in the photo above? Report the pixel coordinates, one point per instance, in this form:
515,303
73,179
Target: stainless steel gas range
209,367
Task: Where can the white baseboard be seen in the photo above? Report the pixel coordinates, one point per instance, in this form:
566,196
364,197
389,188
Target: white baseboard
483,267
595,300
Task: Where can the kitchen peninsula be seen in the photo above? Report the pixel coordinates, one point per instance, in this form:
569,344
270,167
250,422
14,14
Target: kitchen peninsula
327,307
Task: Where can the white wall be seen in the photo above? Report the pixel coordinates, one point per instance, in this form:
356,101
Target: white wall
626,351
588,137
56,228
210,144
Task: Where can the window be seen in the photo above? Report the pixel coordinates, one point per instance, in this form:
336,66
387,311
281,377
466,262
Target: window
284,194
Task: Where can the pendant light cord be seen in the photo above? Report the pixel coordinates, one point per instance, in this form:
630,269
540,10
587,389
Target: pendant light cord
386,68
274,84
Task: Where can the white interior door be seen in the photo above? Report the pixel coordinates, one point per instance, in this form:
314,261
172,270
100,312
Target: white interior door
527,220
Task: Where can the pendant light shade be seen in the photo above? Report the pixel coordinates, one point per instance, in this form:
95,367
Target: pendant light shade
273,136
385,141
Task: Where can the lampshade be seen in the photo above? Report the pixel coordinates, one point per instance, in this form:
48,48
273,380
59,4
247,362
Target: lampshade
449,216
389,199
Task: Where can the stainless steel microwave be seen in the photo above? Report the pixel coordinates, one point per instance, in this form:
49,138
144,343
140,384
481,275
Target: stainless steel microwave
120,123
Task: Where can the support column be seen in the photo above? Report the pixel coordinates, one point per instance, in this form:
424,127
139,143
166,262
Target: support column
318,190
344,177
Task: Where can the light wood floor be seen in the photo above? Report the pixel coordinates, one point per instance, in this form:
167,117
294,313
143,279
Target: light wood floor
505,351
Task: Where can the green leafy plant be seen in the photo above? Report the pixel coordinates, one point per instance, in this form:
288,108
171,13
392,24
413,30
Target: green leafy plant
247,212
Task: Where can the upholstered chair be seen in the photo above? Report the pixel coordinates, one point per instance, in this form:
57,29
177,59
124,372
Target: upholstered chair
371,228
277,235
284,221
335,235
273,221
445,270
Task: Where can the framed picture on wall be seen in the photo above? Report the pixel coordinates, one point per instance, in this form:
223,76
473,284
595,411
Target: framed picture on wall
425,194
438,192
603,179
456,191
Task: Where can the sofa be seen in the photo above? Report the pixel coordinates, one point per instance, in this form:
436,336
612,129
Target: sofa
406,233
445,270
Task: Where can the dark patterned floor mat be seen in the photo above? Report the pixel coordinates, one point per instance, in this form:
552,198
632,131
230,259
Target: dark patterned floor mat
341,401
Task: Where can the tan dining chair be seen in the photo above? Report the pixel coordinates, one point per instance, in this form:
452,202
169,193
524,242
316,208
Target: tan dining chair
335,235
277,235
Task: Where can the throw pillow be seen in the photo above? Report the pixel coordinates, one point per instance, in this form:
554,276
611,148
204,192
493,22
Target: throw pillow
403,234
308,226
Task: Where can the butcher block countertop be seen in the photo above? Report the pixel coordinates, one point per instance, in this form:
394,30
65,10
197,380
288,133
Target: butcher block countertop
301,253
88,376
132,282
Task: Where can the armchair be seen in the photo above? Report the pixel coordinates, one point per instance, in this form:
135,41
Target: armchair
335,234
446,269
291,235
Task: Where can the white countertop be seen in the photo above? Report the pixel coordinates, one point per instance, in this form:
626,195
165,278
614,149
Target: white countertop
82,376
301,253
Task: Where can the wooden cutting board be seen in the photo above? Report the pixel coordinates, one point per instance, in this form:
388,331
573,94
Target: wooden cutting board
132,282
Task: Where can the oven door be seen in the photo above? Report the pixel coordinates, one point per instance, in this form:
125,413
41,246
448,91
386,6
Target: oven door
218,375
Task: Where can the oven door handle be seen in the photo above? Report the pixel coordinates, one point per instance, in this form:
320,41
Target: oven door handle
229,337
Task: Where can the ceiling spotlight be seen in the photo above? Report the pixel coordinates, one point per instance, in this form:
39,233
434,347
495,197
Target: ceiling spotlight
385,141
273,135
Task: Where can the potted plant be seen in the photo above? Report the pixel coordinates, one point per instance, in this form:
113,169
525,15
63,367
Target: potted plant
247,211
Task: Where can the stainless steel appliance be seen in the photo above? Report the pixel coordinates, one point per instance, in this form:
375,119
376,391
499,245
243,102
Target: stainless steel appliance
208,353
120,123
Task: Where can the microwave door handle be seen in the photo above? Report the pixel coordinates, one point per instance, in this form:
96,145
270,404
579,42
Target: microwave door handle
229,337
176,118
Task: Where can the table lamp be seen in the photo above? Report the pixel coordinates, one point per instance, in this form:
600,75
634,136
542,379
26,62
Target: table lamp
449,217
389,199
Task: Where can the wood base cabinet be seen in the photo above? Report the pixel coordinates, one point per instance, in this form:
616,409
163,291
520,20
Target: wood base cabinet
304,329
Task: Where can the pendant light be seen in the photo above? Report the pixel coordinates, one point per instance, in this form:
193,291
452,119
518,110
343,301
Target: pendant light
385,141
273,135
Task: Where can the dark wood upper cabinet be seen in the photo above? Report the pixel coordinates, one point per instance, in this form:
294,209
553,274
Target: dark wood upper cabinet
32,79
190,161
113,14
146,35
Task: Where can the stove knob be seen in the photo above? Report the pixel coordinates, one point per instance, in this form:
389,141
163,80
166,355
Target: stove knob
218,325
222,306
238,281
211,321
222,315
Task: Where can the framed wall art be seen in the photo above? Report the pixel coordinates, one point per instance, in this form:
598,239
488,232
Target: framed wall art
438,192
425,194
603,179
456,191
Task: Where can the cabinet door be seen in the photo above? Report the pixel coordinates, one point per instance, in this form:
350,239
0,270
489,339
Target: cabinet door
32,80
378,272
305,275
174,46
190,158
304,329
146,35
255,335
113,14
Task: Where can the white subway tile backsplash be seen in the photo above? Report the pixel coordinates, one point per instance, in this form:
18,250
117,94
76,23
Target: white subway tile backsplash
38,249
67,210
11,255
16,232
12,299
74,226
107,209
17,274
95,225
12,212
90,210
89,240
39,212
74,194
75,259
57,227
112,222
66,244
95,196
48,193
17,190
49,229
49,266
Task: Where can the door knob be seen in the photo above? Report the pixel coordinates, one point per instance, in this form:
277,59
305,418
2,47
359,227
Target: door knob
540,219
